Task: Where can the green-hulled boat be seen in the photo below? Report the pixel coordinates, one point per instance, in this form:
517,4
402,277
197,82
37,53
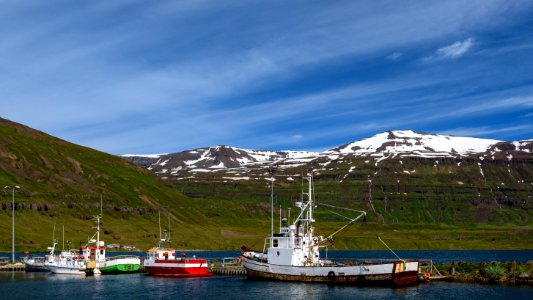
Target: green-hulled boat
121,264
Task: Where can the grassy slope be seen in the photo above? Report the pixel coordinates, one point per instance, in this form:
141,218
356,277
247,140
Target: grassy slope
65,181
436,207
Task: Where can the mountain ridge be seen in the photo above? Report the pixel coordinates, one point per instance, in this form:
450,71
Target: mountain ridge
385,145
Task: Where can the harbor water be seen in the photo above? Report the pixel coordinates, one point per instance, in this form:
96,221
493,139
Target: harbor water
22,285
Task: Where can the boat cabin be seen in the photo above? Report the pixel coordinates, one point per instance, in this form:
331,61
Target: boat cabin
161,254
291,248
94,253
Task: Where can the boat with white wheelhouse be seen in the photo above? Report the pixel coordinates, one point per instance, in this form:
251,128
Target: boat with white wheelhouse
34,264
293,255
163,261
66,262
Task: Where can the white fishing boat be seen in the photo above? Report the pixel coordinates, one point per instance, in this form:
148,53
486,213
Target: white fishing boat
34,264
293,255
93,253
67,262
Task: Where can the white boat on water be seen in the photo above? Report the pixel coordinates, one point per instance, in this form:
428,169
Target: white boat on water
35,264
94,251
293,255
66,262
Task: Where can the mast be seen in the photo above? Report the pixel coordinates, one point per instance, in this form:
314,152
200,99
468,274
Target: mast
97,254
54,241
63,248
159,220
272,207
309,221
280,217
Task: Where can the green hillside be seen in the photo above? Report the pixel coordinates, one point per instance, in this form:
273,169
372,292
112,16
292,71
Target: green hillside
61,183
448,204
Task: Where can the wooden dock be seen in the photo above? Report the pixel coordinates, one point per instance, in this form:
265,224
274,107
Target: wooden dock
12,267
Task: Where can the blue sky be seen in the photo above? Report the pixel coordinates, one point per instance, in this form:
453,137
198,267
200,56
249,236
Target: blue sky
165,76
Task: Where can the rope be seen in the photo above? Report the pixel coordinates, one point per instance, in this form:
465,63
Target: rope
339,215
390,249
333,206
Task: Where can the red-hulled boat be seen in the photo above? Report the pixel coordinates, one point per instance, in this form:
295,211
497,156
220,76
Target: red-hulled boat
162,261
165,262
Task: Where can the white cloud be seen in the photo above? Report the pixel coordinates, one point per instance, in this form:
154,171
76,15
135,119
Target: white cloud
487,130
395,56
452,51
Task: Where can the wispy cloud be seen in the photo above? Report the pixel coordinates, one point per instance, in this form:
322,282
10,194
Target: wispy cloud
395,55
129,77
488,130
452,51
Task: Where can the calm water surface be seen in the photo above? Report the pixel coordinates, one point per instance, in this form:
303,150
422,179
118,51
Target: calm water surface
21,285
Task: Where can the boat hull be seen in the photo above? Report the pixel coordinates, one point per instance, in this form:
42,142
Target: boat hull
389,274
121,265
66,270
35,268
177,268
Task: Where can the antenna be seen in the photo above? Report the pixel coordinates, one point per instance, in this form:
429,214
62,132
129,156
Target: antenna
302,177
280,217
101,212
159,226
272,205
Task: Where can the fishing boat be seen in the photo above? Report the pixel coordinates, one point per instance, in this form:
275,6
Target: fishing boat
293,255
121,264
163,261
67,262
34,264
93,252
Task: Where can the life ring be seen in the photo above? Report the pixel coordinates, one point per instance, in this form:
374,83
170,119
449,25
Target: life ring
331,276
428,276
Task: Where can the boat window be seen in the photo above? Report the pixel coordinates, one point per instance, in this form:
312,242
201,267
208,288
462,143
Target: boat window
275,243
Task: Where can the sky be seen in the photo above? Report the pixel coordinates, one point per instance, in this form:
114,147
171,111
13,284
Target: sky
166,76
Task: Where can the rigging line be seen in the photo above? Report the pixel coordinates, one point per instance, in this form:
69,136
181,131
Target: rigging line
390,249
352,221
333,206
339,215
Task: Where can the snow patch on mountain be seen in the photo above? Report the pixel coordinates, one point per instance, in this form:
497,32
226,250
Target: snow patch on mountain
418,144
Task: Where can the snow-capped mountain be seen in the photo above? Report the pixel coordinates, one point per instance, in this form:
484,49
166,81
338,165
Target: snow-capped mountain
386,145
410,143
216,158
